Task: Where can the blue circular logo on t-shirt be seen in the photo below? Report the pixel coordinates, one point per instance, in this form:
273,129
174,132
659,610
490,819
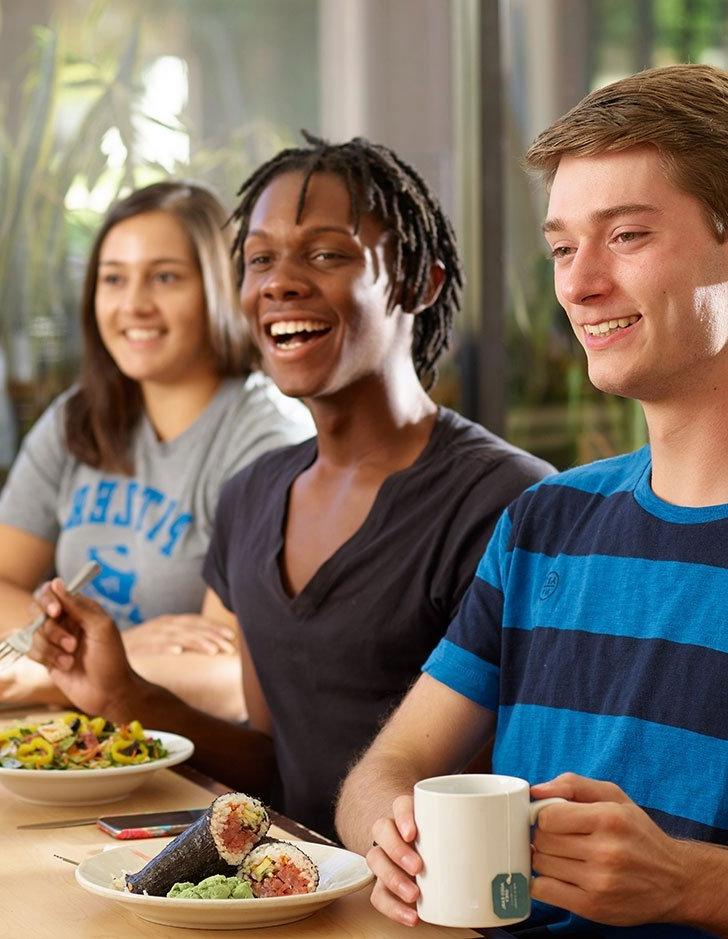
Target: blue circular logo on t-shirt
549,585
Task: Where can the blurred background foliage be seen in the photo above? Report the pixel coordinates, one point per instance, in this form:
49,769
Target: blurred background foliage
97,97
103,98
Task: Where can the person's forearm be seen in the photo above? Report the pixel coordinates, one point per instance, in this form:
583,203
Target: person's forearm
27,682
704,900
229,752
211,683
16,607
368,793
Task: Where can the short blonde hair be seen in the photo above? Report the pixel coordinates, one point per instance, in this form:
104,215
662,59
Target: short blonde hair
681,110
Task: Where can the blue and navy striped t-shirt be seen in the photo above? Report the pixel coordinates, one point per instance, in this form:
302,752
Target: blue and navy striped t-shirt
597,628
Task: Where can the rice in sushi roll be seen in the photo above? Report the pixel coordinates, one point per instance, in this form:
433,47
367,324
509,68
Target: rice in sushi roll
215,844
279,869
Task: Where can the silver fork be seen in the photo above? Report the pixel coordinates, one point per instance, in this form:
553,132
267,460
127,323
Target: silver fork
18,643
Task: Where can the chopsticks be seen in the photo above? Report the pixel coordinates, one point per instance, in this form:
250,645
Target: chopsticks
66,859
68,823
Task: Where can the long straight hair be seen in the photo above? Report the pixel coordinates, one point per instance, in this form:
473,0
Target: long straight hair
103,413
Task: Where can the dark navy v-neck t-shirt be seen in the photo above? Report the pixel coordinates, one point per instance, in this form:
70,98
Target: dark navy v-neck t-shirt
335,660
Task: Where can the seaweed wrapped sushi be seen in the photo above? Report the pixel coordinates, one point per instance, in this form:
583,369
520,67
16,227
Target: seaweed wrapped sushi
279,869
216,843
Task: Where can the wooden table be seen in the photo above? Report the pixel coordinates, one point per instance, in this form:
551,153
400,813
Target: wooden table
40,899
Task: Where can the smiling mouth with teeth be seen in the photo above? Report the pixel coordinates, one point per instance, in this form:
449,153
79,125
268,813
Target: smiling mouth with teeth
142,333
609,326
290,334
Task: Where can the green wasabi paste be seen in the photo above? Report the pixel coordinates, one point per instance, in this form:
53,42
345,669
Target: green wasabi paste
217,887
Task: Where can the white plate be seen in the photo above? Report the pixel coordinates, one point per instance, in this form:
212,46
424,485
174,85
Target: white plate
340,872
92,786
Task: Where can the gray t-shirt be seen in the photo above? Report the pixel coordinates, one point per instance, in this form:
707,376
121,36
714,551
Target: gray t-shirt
148,532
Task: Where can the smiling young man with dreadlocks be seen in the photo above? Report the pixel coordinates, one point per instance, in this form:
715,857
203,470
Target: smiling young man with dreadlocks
342,559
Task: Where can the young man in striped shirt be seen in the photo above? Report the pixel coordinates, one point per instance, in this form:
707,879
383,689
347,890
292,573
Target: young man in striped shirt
593,641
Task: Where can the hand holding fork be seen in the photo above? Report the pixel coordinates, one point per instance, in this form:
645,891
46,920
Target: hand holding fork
18,643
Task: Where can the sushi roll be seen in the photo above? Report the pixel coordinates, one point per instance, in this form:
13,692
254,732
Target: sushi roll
215,844
279,869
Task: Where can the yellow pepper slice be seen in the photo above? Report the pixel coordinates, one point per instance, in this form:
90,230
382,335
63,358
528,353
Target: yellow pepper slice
35,752
72,716
12,733
140,753
136,730
97,724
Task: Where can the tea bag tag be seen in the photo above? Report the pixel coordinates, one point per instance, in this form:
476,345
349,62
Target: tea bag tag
510,896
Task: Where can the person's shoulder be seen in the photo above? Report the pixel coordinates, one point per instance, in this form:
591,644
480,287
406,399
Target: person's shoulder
52,421
466,441
602,478
605,477
59,403
259,395
267,470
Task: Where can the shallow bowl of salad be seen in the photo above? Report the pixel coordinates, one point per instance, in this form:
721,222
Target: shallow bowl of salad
74,759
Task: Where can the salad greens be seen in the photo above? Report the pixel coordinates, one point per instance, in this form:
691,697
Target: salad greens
77,741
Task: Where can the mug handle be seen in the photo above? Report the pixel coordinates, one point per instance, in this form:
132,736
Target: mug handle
535,807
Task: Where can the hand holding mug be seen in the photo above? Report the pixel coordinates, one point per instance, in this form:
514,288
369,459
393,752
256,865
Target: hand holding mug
473,836
606,860
395,860
597,854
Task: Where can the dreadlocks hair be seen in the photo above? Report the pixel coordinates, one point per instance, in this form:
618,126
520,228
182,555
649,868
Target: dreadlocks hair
378,181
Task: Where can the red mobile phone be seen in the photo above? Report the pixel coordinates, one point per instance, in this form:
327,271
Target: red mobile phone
149,824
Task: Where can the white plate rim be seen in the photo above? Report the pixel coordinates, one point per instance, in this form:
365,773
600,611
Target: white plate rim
184,748
259,903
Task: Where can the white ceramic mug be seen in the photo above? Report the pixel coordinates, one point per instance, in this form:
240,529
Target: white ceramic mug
473,835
